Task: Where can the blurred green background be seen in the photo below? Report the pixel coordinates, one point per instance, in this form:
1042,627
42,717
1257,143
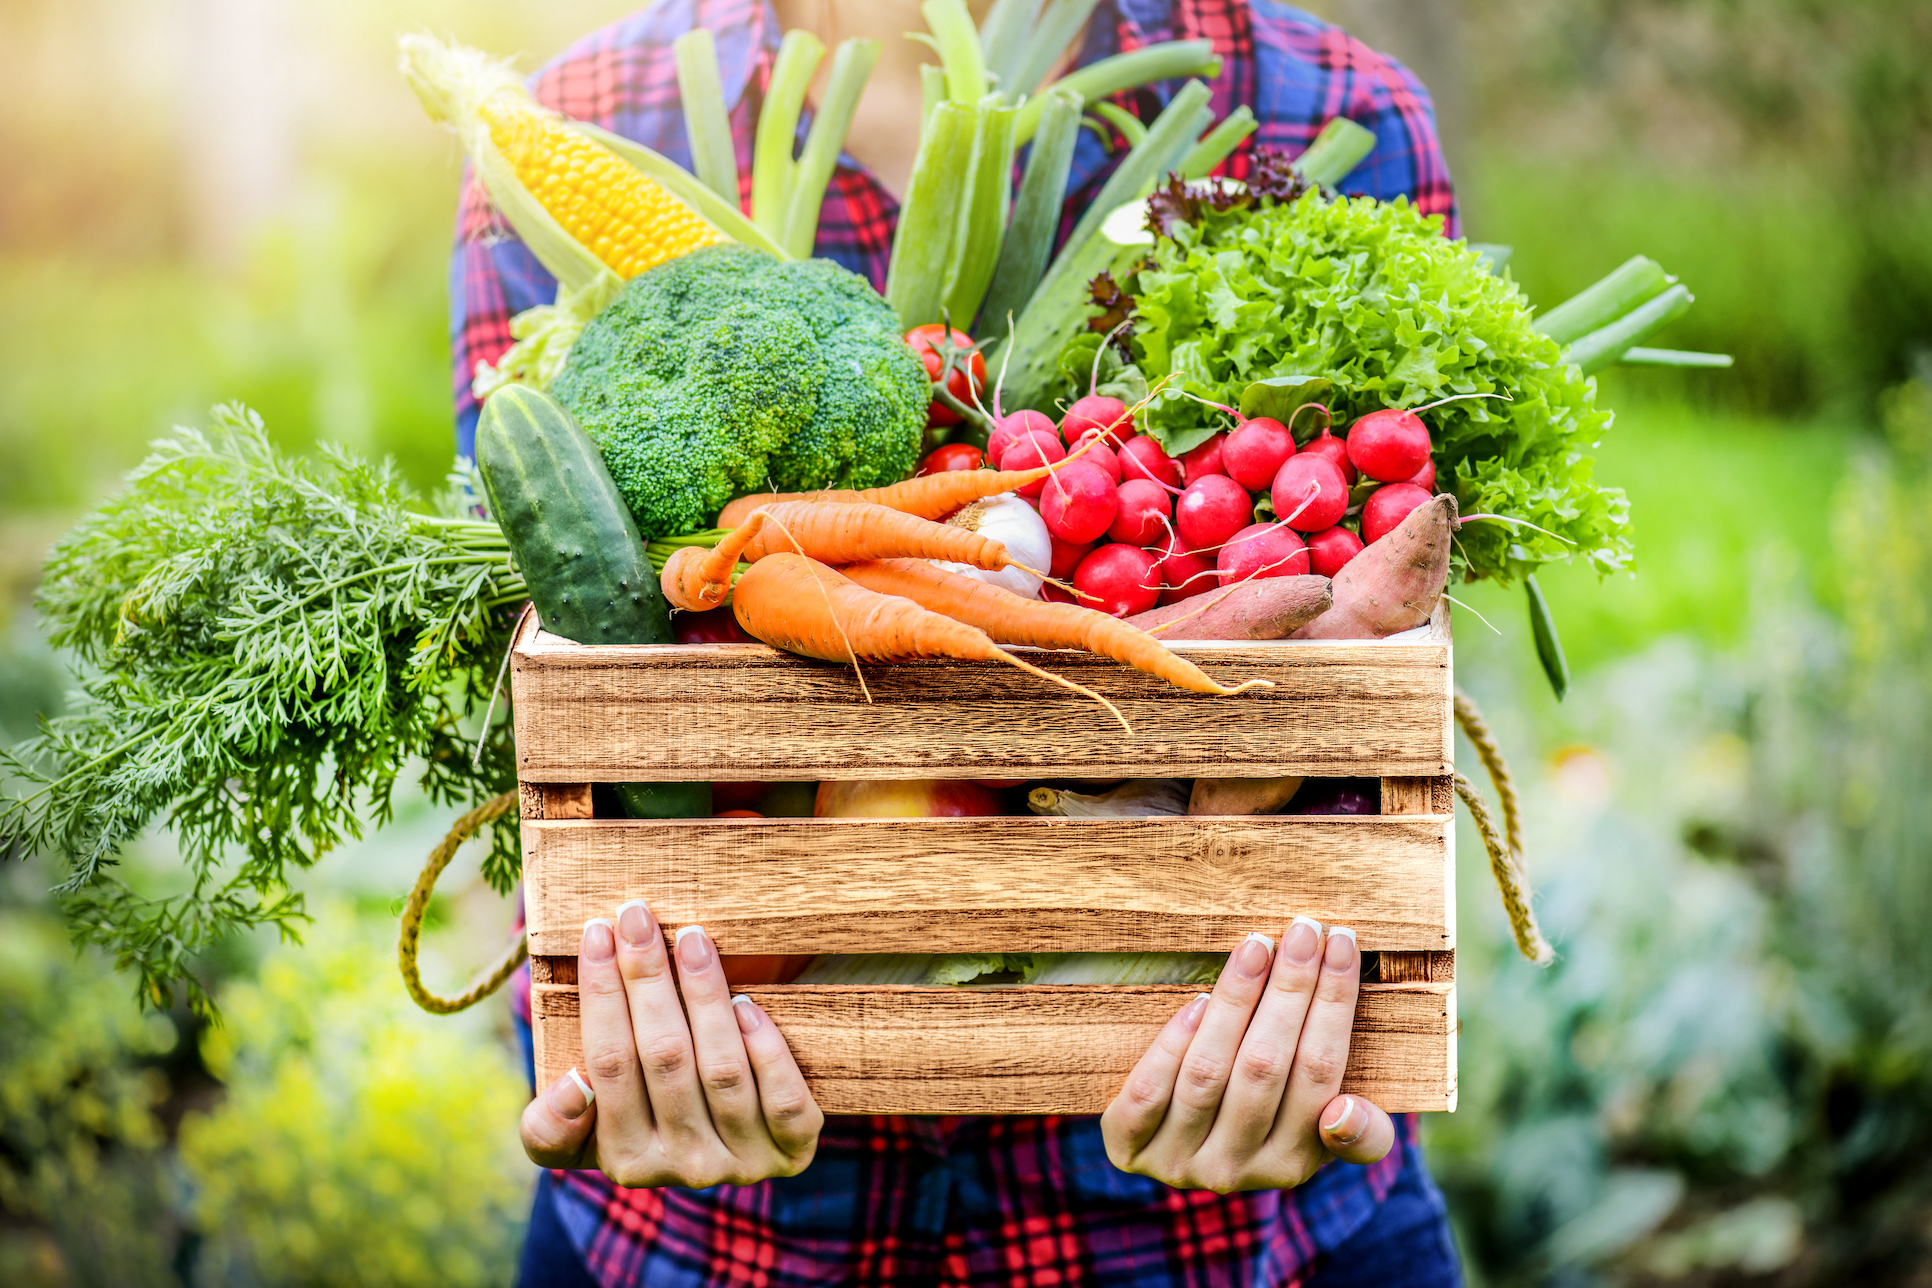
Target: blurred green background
1727,1076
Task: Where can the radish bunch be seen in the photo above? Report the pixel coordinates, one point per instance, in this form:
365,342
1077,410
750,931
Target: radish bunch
1134,527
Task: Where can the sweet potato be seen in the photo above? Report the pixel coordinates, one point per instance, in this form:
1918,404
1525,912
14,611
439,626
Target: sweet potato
1268,608
1242,795
1394,584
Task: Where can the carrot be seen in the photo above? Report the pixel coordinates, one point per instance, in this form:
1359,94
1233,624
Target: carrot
802,606
1008,618
697,579
1393,585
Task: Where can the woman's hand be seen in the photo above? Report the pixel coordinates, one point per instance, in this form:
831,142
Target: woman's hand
1239,1090
713,1100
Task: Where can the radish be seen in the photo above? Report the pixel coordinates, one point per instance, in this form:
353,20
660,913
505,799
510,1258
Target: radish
1425,478
1098,413
1079,502
1383,512
1205,459
1013,427
1066,556
1030,451
1389,445
1122,579
1142,458
1143,513
1327,445
1331,549
1309,493
1262,550
1213,508
1054,595
1184,574
1255,451
1098,455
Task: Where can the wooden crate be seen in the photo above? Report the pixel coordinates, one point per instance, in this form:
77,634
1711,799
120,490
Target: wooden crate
746,712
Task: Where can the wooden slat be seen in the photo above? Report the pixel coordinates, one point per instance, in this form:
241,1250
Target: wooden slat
1030,1050
993,884
1417,968
744,711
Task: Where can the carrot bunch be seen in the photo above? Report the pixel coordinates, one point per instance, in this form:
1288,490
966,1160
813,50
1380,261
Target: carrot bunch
844,576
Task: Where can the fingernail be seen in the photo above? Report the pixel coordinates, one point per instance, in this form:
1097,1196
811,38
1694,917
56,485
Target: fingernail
1304,937
1254,954
634,923
570,1095
599,946
694,948
1347,1124
749,1016
1341,954
1191,1017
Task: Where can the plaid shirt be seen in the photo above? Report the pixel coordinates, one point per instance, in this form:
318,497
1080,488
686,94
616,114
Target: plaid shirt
1294,72
988,1201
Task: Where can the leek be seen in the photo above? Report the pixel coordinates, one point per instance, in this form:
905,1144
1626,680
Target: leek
1641,357
1062,21
1216,145
922,248
772,167
1036,214
982,214
1003,39
1096,81
1608,344
1636,281
706,124
851,68
1338,149
1121,119
957,41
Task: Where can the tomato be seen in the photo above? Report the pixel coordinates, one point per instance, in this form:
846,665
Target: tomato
952,456
969,370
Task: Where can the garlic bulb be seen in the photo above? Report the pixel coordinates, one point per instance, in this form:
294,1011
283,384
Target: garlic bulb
1135,798
1017,526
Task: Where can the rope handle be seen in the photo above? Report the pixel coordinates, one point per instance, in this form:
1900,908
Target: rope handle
412,919
1505,846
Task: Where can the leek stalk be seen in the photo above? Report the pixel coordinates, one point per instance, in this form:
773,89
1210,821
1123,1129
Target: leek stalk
957,41
982,213
851,67
1126,122
1218,143
706,124
1641,357
1338,149
1634,282
1003,39
1096,81
1062,21
1036,214
1608,344
772,167
922,248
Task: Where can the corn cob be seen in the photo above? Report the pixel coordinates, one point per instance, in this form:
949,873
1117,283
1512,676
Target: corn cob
626,219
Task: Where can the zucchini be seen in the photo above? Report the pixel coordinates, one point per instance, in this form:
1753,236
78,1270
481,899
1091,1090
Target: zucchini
577,547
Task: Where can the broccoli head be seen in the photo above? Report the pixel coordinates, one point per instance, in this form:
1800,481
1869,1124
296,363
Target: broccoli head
727,370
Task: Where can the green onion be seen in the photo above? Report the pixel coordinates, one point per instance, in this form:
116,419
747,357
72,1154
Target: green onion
1121,119
772,167
1549,649
1640,357
1338,149
1606,345
1218,143
982,212
706,124
957,41
851,66
922,248
932,92
1036,215
1096,81
1063,20
1635,281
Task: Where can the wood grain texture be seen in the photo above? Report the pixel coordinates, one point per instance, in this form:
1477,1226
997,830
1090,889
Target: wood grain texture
567,800
745,711
1188,884
1412,968
1040,1050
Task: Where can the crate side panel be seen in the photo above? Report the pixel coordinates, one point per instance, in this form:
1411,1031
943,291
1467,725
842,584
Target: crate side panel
743,711
1031,1050
993,884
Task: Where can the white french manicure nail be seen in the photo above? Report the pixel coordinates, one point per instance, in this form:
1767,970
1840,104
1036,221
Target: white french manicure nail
1303,919
1344,930
590,1093
693,929
1256,934
1348,1107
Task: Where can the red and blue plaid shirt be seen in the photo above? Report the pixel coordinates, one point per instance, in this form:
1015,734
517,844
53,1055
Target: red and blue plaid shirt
989,1201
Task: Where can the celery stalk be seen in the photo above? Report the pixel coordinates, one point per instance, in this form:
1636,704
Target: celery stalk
957,41
772,167
1218,143
851,66
1338,149
1126,122
1036,214
1062,21
1640,357
1168,140
706,123
932,92
1003,38
1608,344
982,212
1125,71
922,248
1635,281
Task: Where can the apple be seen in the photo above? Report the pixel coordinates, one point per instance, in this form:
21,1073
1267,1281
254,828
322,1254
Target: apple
908,798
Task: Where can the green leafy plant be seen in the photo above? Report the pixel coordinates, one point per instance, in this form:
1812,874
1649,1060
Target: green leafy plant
268,642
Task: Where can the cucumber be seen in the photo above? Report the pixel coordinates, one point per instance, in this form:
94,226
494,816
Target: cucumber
577,546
